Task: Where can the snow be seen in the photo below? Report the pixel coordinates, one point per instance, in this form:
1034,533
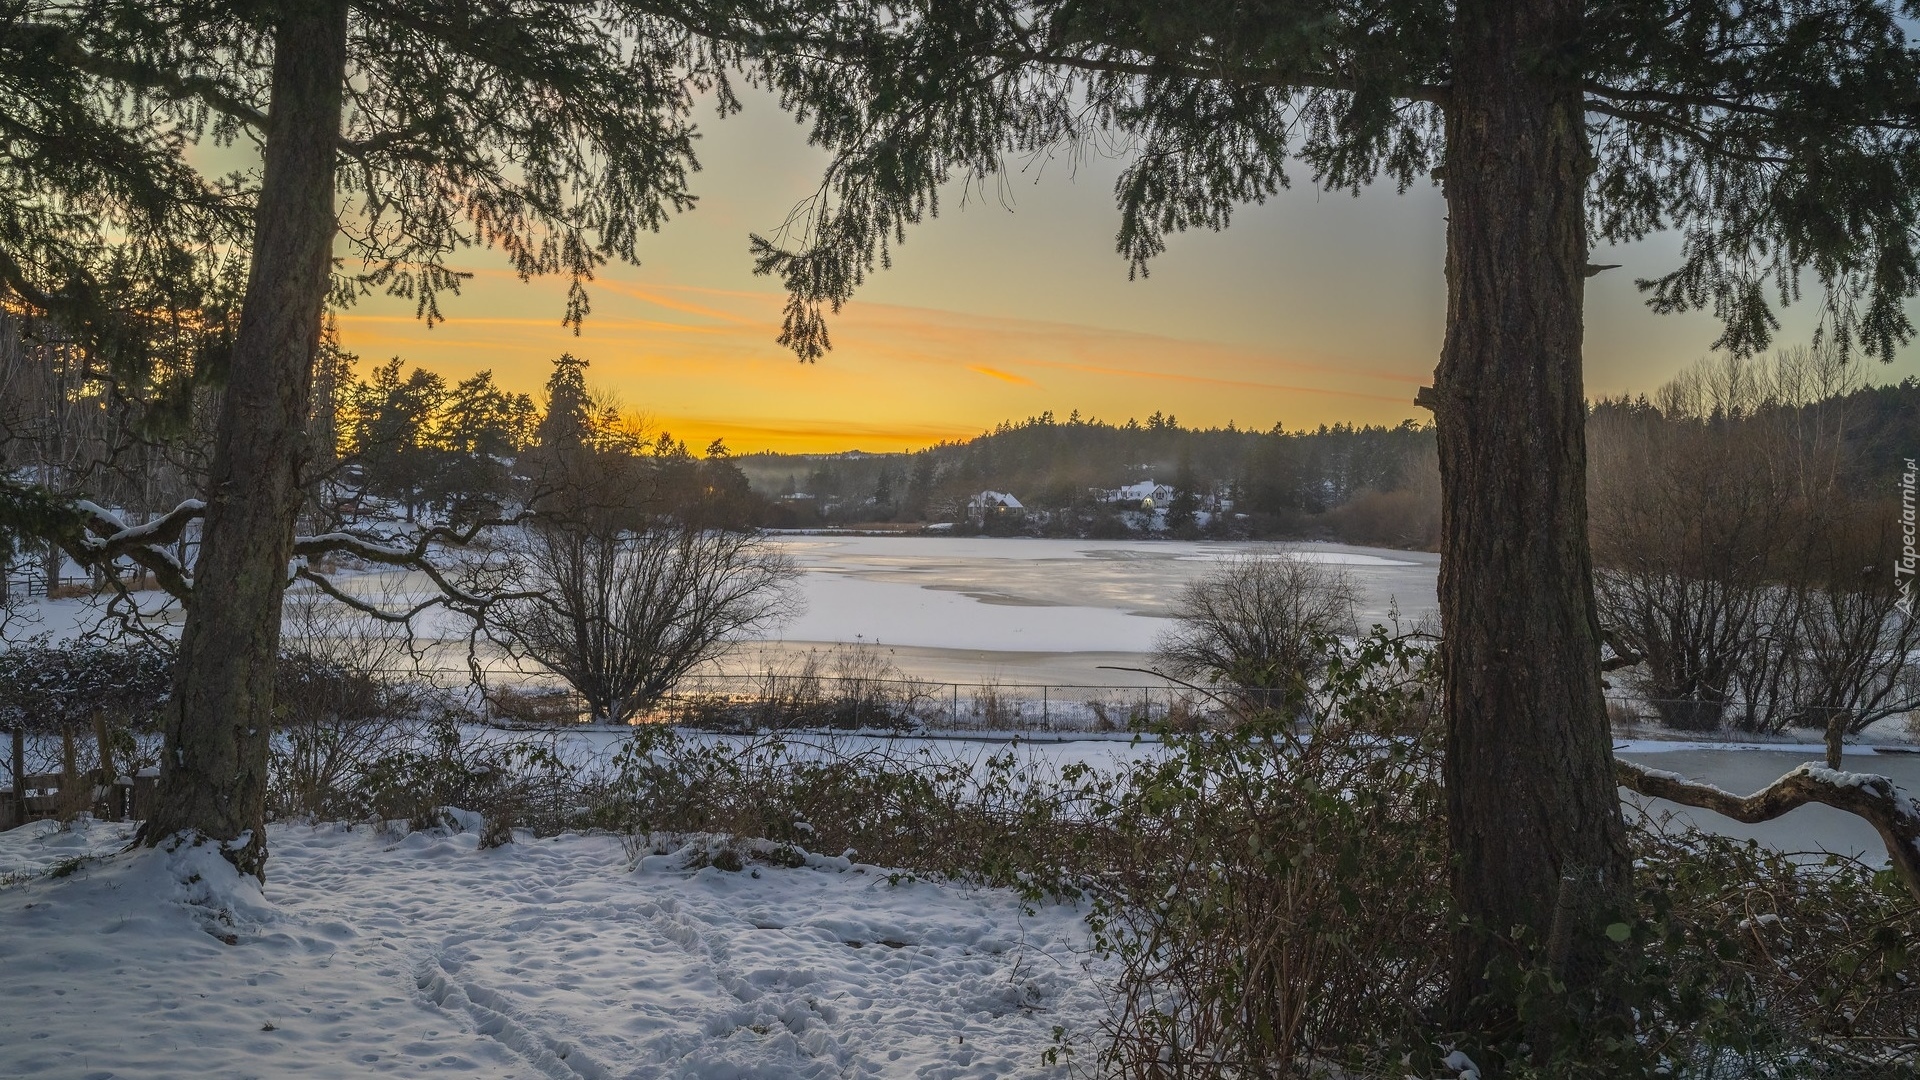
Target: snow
838,602
372,953
1743,769
1671,746
124,533
1025,595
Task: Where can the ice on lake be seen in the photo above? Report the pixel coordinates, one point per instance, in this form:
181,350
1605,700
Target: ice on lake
1037,611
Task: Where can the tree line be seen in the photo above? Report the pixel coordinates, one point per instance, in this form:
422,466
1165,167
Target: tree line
1746,530
1223,482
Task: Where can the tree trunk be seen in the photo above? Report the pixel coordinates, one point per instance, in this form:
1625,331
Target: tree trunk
1533,814
213,768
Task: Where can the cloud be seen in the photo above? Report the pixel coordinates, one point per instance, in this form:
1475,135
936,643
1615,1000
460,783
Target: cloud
1003,376
906,375
811,436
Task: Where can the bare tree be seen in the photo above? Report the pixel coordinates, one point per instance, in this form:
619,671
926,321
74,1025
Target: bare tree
622,614
1260,625
1738,569
346,704
1686,522
1835,653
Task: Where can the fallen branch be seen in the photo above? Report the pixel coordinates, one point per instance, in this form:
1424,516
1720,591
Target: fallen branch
1875,798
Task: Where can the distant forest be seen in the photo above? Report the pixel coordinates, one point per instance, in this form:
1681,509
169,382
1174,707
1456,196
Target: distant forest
1090,478
405,441
1371,485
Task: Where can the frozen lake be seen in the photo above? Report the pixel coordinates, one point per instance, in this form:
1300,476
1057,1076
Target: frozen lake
959,609
1061,612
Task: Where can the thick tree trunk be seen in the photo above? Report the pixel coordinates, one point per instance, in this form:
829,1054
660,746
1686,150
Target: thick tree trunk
213,768
1534,817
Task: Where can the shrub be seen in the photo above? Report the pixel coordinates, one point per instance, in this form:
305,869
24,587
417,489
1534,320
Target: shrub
623,614
1263,626
47,687
336,722
510,782
1277,903
1000,820
1280,899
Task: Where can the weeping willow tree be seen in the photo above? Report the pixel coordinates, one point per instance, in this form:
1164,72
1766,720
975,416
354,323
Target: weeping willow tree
1778,139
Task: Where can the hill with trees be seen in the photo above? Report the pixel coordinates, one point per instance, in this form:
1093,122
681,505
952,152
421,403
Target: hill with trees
1091,478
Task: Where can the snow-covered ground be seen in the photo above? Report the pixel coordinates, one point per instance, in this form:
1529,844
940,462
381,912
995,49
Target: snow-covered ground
375,954
372,952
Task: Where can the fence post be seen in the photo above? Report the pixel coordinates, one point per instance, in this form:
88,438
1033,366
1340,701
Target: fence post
1045,714
953,716
19,777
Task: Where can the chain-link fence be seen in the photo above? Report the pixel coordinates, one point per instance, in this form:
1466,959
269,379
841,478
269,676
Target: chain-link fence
773,700
1734,720
781,700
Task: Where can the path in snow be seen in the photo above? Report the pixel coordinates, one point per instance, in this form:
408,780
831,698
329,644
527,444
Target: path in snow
549,958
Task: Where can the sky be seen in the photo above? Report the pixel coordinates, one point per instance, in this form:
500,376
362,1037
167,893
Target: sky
1316,307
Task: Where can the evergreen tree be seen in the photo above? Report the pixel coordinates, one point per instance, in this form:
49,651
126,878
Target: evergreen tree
1777,138
95,198
1186,496
567,420
555,131
396,424
479,431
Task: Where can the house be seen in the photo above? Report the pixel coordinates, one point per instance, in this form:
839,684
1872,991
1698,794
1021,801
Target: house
1137,495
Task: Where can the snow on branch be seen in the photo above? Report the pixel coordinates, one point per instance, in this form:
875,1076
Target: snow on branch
1875,798
386,551
115,533
112,538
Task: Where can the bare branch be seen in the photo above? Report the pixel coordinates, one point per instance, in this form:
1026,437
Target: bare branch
1875,798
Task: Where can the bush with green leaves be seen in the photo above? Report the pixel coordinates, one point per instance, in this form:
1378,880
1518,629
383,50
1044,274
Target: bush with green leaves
1278,906
511,782
354,745
1734,960
1279,901
1002,819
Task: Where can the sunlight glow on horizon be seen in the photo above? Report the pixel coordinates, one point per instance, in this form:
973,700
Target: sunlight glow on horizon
702,363
1313,307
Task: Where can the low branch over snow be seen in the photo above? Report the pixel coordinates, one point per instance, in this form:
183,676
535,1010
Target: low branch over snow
1874,798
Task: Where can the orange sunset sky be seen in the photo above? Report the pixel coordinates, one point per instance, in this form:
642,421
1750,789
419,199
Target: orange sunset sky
1316,307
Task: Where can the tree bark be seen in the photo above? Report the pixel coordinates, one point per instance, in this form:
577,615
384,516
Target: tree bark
213,767
1534,817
